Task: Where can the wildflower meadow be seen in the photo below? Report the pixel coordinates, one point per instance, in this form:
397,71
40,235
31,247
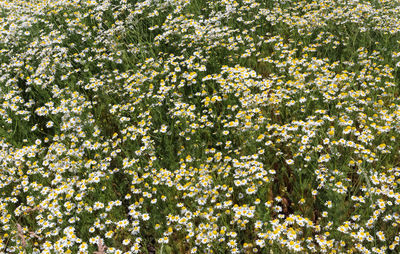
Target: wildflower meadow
199,126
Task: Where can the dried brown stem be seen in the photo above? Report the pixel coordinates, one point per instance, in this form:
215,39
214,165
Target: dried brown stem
101,248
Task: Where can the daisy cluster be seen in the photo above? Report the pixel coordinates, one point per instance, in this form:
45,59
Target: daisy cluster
190,126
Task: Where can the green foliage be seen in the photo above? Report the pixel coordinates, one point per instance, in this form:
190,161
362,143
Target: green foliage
199,126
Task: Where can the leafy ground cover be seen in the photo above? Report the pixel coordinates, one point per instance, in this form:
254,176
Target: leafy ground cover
194,126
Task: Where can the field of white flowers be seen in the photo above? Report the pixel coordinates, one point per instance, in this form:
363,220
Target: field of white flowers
195,126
